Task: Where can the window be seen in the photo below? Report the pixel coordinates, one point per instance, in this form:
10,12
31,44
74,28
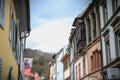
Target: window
81,36
92,63
115,5
79,74
76,72
13,34
95,60
66,65
117,40
116,29
2,12
0,69
78,33
94,25
108,55
118,35
84,67
107,45
105,12
89,30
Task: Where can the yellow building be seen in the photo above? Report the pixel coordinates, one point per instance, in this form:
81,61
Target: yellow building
14,28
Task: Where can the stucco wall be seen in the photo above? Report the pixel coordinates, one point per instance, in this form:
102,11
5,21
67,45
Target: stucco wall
5,50
90,52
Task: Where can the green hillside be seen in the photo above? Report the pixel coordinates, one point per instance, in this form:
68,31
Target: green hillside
40,61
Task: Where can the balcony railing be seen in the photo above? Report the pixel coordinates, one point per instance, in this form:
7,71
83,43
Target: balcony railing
81,45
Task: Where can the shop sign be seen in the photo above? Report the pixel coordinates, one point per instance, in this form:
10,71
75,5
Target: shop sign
113,73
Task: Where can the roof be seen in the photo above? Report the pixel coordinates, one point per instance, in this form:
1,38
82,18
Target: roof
85,12
65,57
23,14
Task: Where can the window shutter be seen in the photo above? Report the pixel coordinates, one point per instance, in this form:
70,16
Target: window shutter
2,12
14,30
0,69
18,52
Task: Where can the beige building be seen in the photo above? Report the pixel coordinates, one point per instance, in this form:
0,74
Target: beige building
87,59
93,46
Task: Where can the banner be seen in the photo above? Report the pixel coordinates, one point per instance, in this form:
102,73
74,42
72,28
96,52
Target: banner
27,66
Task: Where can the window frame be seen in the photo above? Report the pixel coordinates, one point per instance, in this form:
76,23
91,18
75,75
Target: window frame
117,42
108,53
105,12
107,45
115,5
116,28
94,25
89,30
84,67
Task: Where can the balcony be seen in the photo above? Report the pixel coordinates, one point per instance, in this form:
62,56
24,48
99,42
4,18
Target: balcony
81,45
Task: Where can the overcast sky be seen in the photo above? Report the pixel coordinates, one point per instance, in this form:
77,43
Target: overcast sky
51,22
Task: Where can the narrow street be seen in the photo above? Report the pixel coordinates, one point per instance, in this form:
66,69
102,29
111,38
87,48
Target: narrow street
60,40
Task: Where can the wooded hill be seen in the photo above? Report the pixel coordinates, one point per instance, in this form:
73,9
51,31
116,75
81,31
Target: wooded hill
40,61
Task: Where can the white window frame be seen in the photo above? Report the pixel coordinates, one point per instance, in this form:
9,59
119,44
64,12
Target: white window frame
2,13
118,42
108,57
116,29
107,45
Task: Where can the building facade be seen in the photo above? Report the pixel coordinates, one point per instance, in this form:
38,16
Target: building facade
52,66
14,28
94,43
66,64
110,34
59,65
71,48
87,58
93,40
80,56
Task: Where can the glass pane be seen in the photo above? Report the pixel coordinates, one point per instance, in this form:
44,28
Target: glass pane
119,42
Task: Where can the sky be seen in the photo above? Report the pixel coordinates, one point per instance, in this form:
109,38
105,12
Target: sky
51,22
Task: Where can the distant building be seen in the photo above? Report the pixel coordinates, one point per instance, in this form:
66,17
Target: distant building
52,65
66,64
72,49
59,65
87,55
56,66
14,28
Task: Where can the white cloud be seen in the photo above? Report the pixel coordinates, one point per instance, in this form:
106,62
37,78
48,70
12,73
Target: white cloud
50,36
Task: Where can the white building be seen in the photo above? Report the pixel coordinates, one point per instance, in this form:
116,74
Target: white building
59,65
110,34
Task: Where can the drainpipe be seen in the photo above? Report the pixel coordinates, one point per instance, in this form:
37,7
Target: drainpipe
101,45
19,73
25,35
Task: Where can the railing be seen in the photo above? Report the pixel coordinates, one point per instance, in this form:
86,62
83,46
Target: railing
81,45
